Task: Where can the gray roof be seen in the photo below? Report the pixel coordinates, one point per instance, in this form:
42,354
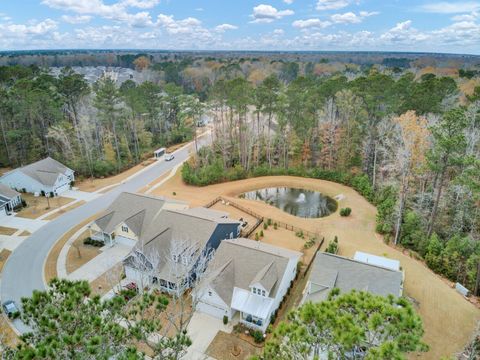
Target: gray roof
188,227
6,192
243,262
45,171
332,271
137,211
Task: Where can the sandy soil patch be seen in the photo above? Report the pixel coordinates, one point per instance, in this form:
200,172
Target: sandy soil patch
231,347
40,205
64,210
448,319
95,184
4,254
50,266
25,233
7,230
79,253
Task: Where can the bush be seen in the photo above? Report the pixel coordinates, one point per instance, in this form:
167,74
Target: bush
24,203
225,319
257,336
174,193
265,226
332,247
275,226
300,234
269,222
345,211
261,233
257,237
93,242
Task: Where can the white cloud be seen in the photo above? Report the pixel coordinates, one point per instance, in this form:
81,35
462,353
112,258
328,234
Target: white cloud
351,18
332,4
278,32
79,19
141,4
266,13
288,2
225,27
403,32
310,23
446,7
466,17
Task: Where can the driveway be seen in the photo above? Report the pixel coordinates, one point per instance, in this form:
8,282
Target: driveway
202,330
79,195
19,280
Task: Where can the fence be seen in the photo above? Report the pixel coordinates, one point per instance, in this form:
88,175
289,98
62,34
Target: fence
260,219
313,257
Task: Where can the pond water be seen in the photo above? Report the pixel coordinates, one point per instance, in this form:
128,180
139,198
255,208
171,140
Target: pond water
298,202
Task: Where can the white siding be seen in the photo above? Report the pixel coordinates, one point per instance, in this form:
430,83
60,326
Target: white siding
289,275
212,304
18,180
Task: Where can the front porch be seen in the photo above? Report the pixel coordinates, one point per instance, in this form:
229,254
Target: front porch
255,310
107,239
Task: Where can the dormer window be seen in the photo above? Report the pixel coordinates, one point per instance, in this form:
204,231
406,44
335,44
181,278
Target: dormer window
175,258
263,292
125,228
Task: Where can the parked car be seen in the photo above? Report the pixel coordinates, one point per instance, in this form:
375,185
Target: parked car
10,308
169,157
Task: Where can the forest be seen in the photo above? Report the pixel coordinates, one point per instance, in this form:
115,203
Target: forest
404,133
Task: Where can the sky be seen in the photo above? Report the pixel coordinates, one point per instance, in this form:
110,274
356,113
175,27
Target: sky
326,25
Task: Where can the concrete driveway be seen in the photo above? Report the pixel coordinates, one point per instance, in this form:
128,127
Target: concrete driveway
202,330
16,222
19,280
80,195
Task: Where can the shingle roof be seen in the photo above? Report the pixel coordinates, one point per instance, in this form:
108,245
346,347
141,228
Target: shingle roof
137,210
177,227
45,171
8,193
329,271
248,261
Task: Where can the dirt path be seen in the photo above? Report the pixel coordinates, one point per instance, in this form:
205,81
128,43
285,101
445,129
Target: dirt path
449,320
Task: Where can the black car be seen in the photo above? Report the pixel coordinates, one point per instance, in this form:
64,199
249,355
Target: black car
10,308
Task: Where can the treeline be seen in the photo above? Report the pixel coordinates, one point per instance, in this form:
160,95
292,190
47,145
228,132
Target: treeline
97,130
405,144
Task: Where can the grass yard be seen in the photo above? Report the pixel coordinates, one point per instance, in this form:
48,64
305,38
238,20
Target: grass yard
95,184
449,319
64,210
79,253
40,205
50,267
7,230
231,347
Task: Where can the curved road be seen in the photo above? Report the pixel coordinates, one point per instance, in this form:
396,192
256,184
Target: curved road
23,271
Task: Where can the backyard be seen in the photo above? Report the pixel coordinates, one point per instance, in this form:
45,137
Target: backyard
40,205
446,334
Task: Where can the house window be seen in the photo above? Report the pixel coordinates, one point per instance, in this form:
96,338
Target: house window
209,293
175,258
263,292
124,228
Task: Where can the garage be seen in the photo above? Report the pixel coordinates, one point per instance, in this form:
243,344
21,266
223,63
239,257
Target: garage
212,310
62,188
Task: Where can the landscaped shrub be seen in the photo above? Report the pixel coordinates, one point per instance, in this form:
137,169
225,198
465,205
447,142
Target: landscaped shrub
269,222
275,226
332,247
257,237
93,242
261,233
300,234
308,244
24,203
265,226
225,319
345,211
257,336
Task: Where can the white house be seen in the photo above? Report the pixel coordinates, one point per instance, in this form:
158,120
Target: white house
9,200
331,271
247,277
127,217
47,176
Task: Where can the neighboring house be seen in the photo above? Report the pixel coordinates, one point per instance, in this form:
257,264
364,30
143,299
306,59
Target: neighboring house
128,216
332,271
46,176
248,277
9,200
176,245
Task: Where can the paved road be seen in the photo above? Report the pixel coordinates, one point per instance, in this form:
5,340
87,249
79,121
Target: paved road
23,271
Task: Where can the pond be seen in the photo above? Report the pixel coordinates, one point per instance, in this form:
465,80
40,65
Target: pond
298,202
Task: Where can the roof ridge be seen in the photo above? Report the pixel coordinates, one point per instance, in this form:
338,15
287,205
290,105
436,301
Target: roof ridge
259,246
359,262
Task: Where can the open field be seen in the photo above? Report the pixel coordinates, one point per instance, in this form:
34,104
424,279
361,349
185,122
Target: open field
79,253
64,210
95,184
7,230
449,319
38,206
